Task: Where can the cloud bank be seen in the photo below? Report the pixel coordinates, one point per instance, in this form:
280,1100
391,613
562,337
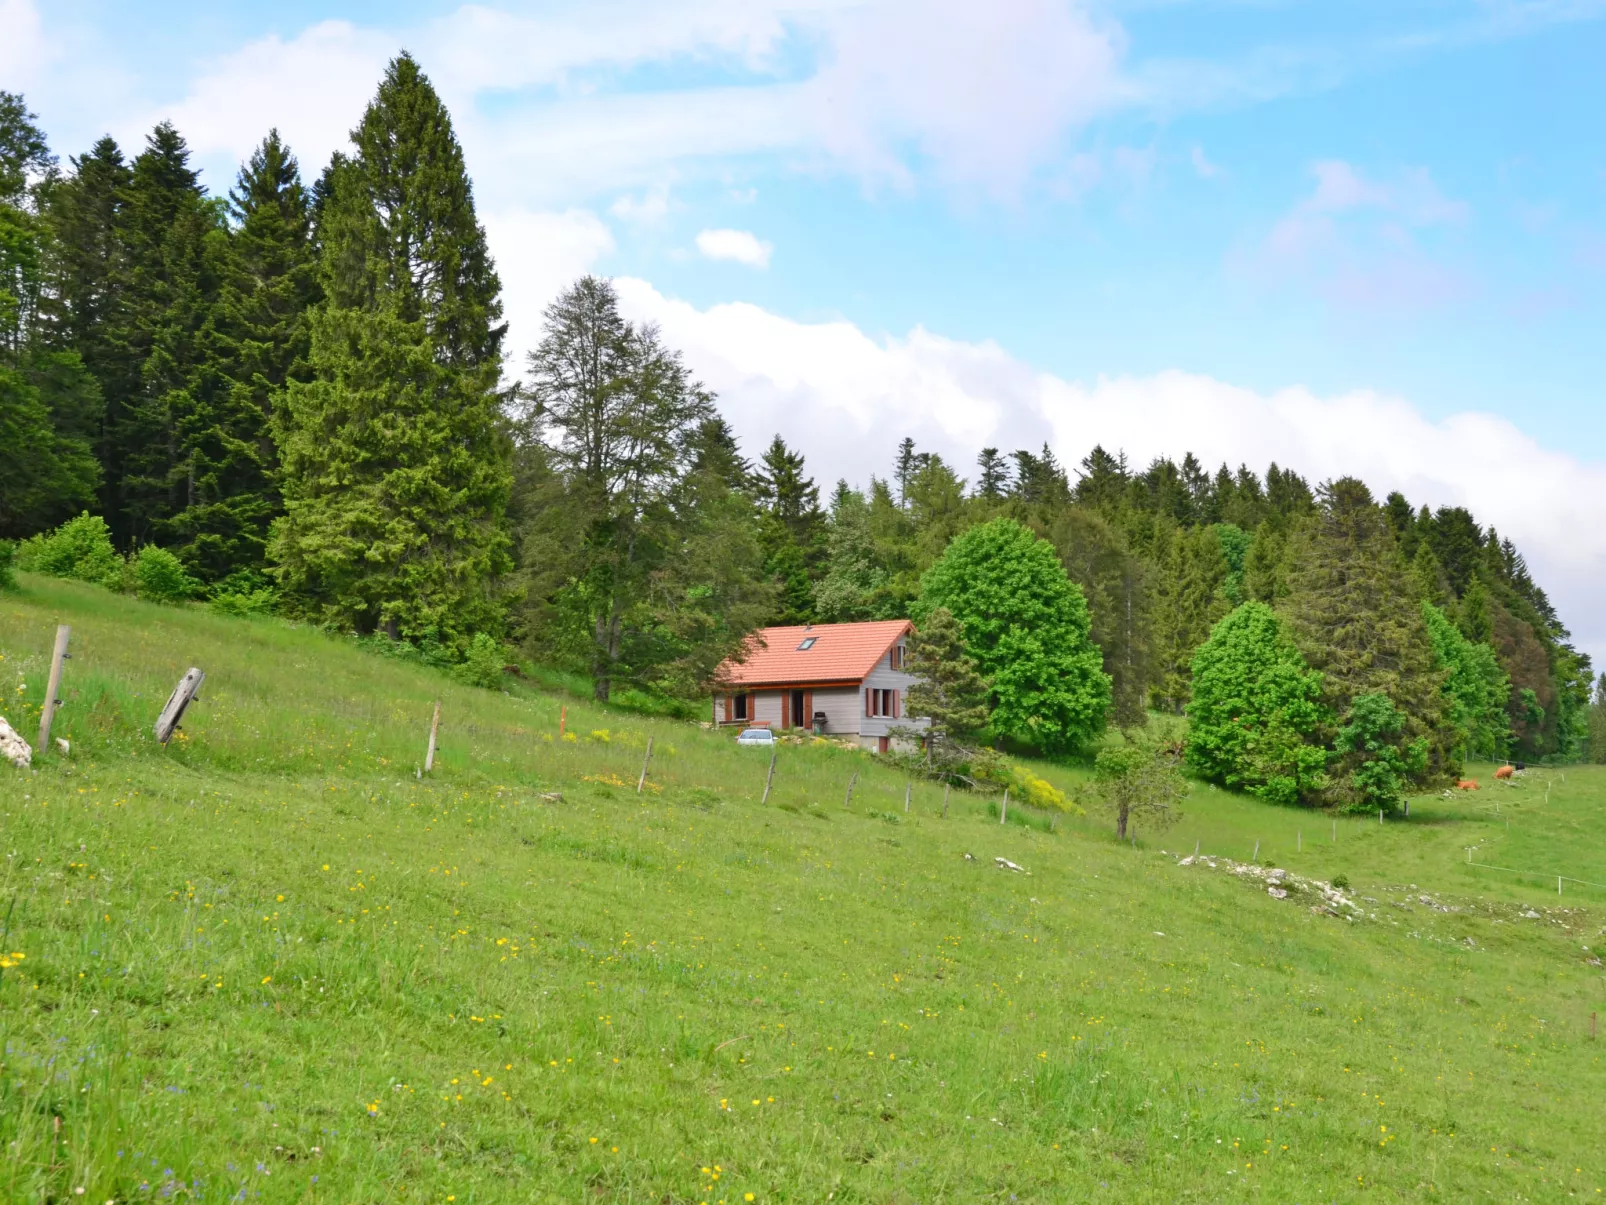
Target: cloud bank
845,398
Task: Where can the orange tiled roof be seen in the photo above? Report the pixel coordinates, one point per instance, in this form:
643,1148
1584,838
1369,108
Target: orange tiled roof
842,652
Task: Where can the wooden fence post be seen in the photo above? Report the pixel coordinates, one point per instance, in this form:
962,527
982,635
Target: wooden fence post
563,718
54,687
642,781
183,695
1003,808
907,787
1256,858
946,787
434,727
769,778
848,798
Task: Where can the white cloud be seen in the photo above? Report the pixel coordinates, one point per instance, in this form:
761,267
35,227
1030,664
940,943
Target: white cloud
1205,169
846,398
980,96
537,256
22,44
649,210
1360,240
312,87
739,246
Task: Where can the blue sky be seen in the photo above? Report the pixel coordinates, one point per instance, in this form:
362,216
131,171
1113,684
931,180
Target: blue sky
1365,237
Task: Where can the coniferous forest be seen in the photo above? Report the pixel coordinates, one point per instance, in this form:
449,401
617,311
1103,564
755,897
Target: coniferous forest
295,398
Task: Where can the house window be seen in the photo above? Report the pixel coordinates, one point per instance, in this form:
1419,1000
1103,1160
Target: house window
807,644
897,656
881,703
739,707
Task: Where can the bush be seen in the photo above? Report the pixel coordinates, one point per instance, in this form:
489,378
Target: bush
8,554
990,766
482,664
1383,762
159,576
244,592
80,548
1256,710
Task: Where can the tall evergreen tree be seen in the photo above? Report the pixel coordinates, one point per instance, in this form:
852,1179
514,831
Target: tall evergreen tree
47,400
1115,582
259,328
1353,613
791,532
992,475
396,460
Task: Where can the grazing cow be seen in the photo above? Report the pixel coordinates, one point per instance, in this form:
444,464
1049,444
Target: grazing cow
1467,784
1505,771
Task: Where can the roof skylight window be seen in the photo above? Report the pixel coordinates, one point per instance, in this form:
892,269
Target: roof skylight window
808,643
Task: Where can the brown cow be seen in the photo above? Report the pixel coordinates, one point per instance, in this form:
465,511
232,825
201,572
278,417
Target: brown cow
1505,771
1467,784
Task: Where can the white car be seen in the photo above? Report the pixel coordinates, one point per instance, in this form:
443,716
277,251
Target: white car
755,736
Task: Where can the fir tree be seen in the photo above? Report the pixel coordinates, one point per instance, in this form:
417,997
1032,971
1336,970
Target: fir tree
791,530
949,691
269,284
47,400
1353,613
992,475
396,461
1189,599
854,575
172,250
903,472
1119,598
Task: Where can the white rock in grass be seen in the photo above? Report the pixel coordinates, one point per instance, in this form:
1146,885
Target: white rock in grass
13,748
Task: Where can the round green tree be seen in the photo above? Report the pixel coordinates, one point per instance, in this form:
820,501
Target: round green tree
1256,709
1026,628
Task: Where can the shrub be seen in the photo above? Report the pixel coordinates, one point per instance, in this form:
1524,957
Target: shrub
990,766
244,592
482,664
1256,710
8,554
159,576
1383,760
80,548
1341,882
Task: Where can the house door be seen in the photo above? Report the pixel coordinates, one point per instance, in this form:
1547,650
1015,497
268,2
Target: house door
799,719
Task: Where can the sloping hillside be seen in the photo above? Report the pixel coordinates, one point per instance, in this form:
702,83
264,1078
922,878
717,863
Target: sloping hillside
271,960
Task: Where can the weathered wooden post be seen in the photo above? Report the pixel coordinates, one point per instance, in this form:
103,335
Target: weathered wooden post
907,787
946,787
563,718
183,695
1003,808
434,728
848,798
53,690
645,762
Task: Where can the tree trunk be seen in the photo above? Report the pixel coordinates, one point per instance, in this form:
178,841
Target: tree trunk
1121,814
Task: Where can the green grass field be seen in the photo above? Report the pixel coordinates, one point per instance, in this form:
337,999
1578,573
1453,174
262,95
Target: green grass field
272,963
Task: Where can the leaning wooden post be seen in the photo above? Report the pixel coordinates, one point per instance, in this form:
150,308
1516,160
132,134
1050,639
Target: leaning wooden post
563,718
434,727
54,688
1003,808
645,762
907,787
770,777
848,798
946,787
183,695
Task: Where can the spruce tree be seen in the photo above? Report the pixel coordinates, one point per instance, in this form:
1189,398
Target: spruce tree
1353,612
269,282
992,475
949,691
790,532
47,400
396,461
1119,599
172,247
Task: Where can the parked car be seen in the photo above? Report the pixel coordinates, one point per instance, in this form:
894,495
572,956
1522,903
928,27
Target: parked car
756,736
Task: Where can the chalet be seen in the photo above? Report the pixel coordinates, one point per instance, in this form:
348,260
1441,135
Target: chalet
842,679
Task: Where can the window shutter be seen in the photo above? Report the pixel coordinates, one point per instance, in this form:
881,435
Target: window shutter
869,702
894,704
727,709
752,708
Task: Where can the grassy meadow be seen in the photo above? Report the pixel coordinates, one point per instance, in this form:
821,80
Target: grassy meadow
275,963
